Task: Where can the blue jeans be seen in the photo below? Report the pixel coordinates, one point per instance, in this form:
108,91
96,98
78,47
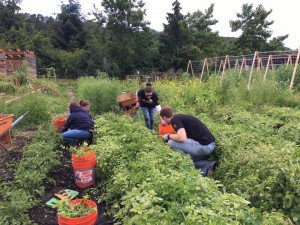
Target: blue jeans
75,135
197,152
149,116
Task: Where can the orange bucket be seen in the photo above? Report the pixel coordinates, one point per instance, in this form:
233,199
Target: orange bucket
58,122
165,129
84,220
84,169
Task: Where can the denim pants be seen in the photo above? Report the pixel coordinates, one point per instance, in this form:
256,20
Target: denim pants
149,116
75,135
197,152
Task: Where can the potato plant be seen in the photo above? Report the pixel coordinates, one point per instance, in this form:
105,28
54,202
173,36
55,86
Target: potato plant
145,182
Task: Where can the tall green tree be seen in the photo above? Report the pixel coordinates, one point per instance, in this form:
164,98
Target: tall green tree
256,31
9,16
173,40
129,34
203,41
69,31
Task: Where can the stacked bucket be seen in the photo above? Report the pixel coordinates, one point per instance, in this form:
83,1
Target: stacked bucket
84,169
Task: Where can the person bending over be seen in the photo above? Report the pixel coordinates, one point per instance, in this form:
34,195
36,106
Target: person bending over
149,104
192,137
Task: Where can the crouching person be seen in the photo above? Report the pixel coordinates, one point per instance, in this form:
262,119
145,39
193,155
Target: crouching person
79,125
192,137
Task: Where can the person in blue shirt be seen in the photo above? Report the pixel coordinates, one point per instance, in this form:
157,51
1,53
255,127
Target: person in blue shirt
79,124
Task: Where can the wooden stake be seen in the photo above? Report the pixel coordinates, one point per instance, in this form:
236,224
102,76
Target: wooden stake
221,64
188,66
290,61
205,63
252,67
295,69
267,68
236,64
243,63
224,65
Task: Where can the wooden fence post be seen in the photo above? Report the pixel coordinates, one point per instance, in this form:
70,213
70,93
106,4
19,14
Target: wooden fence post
205,63
295,69
190,65
243,63
251,71
267,68
224,65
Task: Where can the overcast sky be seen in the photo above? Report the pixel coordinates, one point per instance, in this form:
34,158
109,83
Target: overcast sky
285,13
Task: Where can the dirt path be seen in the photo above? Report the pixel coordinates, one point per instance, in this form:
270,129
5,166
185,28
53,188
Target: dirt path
62,174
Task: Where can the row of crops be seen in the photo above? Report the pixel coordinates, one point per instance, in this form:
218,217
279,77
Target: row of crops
258,138
142,181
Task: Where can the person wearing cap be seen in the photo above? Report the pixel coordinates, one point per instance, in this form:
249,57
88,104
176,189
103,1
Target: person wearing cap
79,124
149,104
192,137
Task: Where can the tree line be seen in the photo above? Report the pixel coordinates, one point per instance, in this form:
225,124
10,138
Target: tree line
119,41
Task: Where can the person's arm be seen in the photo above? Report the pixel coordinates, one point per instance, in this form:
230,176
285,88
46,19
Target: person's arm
180,135
66,126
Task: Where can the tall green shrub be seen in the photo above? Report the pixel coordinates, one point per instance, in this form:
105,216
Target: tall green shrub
102,93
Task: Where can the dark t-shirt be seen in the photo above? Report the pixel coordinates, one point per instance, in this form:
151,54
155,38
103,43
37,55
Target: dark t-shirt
194,128
146,102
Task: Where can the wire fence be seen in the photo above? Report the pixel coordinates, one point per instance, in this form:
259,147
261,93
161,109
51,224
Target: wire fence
263,62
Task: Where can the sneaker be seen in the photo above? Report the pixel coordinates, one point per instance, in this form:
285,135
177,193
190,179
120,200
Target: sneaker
201,172
211,168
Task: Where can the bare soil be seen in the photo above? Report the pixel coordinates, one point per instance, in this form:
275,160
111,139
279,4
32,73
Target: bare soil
62,174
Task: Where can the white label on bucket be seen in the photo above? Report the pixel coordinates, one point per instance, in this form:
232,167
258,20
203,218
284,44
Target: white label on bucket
84,176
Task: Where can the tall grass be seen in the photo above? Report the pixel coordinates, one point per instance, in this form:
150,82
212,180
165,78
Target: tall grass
102,92
40,107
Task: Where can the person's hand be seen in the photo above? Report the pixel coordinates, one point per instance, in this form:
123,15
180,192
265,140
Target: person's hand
166,137
163,122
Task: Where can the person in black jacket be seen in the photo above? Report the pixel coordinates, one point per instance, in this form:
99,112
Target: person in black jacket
149,104
79,124
192,137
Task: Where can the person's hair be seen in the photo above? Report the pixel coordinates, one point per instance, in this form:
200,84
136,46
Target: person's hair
73,105
148,89
84,103
148,84
166,111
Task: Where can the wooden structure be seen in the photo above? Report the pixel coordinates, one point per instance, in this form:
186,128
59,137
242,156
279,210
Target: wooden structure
261,61
11,61
127,102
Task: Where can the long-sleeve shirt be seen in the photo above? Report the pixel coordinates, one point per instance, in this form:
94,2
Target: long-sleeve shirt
78,119
147,102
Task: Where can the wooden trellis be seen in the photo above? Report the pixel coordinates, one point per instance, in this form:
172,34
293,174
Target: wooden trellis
205,65
190,65
220,64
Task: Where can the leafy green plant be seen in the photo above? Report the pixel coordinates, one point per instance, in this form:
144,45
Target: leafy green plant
67,209
102,93
81,150
7,87
148,183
